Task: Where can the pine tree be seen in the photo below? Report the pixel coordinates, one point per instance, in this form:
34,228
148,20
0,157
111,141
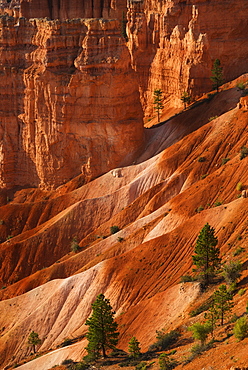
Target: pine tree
102,333
158,105
206,257
34,340
222,300
134,347
217,75
185,99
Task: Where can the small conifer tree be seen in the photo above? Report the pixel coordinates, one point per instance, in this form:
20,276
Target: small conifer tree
158,105
185,98
34,340
102,333
223,303
217,75
134,347
206,257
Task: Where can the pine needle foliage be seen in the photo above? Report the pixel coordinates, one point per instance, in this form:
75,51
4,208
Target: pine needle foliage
157,101
222,303
206,258
102,333
34,340
134,347
217,75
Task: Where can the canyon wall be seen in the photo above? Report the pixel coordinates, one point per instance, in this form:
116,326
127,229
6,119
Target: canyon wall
65,83
174,44
65,9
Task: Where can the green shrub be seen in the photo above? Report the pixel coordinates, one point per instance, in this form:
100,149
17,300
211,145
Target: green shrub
239,186
199,209
164,340
120,239
202,159
243,152
204,176
66,342
240,329
141,366
231,271
224,160
240,85
68,361
238,251
114,229
200,331
186,279
217,203
166,362
74,245
212,118
241,292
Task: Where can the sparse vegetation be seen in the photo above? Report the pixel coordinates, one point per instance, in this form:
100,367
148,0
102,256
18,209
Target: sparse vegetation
202,159
239,186
238,251
240,85
34,340
186,279
134,347
157,101
222,303
241,291
201,331
243,152
224,160
114,229
166,362
217,203
217,75
120,239
231,272
164,340
199,209
185,99
74,245
212,118
240,329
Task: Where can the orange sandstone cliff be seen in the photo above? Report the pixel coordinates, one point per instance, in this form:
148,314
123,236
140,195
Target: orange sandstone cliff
76,160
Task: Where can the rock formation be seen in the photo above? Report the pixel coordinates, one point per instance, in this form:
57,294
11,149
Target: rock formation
65,78
67,91
65,9
174,43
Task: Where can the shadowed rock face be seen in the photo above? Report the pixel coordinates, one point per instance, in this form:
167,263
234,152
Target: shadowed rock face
65,9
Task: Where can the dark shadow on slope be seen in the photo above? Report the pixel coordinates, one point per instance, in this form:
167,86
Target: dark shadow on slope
169,132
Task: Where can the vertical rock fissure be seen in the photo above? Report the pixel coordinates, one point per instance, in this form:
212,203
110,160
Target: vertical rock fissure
50,7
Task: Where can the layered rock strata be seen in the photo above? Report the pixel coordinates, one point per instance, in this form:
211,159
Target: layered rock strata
65,9
65,84
174,43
